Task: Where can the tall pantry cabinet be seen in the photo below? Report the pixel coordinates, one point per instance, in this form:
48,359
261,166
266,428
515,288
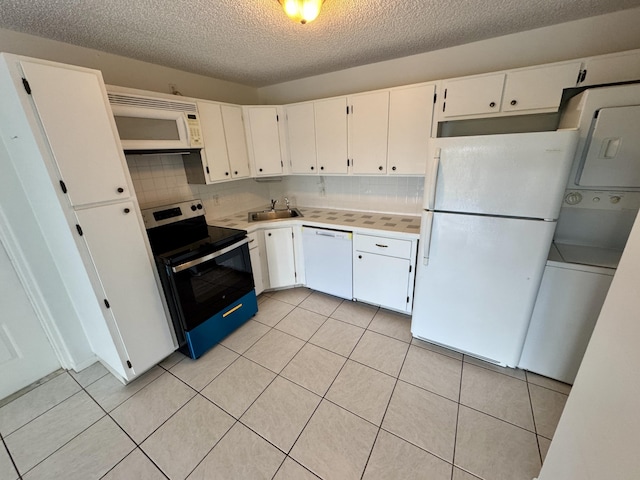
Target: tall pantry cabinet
64,145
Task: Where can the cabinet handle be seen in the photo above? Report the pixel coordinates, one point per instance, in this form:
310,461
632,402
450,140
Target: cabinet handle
359,256
381,246
120,190
312,168
393,168
514,102
260,169
253,240
321,168
380,168
226,173
492,104
126,210
268,234
235,173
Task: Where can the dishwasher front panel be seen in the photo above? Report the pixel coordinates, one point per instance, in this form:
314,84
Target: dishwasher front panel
328,261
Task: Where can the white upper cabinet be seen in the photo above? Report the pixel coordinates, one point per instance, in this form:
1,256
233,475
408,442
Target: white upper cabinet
72,102
331,135
538,88
264,137
530,90
410,115
215,158
472,96
224,156
302,138
368,129
236,141
613,68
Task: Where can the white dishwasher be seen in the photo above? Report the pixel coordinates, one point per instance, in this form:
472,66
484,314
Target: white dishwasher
328,260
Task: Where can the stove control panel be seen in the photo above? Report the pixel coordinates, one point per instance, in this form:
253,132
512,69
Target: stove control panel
165,214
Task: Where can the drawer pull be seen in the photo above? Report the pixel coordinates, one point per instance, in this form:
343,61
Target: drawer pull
232,310
252,240
381,246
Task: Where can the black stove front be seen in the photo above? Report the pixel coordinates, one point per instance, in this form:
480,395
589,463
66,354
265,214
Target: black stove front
205,272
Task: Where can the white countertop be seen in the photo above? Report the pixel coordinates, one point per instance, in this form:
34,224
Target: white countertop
332,218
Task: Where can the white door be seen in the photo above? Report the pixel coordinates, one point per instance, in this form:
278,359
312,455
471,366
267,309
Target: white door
25,352
116,243
477,292
381,280
368,130
265,140
67,100
215,146
280,257
236,141
302,138
471,96
331,135
519,175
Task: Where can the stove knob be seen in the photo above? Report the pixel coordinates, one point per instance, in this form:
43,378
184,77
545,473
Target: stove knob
573,198
193,208
199,206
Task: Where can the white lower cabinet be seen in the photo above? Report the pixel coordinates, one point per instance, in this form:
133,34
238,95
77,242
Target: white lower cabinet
258,261
280,257
383,271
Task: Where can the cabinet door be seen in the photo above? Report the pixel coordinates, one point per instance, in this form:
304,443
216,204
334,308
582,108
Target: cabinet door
265,140
256,267
410,114
116,244
214,155
76,117
538,87
236,141
381,280
302,138
368,128
331,135
280,257
472,96
617,67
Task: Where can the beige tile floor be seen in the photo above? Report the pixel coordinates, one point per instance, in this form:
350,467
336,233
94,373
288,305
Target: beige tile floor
312,387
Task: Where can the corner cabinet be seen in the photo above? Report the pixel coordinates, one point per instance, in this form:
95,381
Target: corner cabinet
65,147
396,257
529,90
281,258
263,134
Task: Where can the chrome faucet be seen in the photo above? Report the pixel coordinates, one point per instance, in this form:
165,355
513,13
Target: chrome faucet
286,200
273,204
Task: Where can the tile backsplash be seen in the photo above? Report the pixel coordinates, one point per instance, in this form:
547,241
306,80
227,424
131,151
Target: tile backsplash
161,179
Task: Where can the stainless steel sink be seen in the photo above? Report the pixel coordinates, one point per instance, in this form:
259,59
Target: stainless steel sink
274,214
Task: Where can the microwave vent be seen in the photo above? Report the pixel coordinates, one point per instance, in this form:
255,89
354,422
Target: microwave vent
146,102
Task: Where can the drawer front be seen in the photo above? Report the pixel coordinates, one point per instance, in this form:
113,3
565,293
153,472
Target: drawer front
253,240
393,247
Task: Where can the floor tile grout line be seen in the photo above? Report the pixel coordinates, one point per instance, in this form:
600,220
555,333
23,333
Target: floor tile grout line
214,446
535,426
455,436
373,445
13,462
48,409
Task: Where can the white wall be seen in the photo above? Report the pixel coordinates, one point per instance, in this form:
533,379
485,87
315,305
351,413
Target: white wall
599,432
127,72
582,38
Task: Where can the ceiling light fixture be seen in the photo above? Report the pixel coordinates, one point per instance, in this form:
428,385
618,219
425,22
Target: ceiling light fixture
303,11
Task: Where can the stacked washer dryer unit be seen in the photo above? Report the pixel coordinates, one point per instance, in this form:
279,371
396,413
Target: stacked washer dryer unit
600,206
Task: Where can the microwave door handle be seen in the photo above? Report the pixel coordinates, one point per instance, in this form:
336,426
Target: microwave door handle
206,258
433,181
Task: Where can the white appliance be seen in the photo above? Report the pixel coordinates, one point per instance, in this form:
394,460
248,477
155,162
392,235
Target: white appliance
328,260
491,204
571,294
155,124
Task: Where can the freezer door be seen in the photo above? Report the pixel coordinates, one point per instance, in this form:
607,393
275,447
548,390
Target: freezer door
612,157
478,288
519,175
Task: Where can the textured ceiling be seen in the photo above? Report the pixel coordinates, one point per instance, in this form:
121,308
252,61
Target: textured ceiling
252,42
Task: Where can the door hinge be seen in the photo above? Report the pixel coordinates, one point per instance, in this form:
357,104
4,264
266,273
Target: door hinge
129,364
292,235
582,74
26,85
106,303
407,299
347,162
347,109
63,187
277,118
79,229
281,164
207,169
435,96
409,268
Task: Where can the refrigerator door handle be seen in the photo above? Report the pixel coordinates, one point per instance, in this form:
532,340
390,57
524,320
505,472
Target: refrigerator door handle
426,240
433,181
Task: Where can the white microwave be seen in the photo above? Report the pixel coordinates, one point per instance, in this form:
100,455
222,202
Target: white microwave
153,124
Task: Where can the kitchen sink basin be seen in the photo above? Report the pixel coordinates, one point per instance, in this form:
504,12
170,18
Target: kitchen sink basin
274,214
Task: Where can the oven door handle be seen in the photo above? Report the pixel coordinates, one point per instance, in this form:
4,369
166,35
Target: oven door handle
206,258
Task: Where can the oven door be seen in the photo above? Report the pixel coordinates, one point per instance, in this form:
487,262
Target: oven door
205,286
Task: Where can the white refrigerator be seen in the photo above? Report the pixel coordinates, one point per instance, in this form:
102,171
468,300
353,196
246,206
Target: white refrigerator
490,209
